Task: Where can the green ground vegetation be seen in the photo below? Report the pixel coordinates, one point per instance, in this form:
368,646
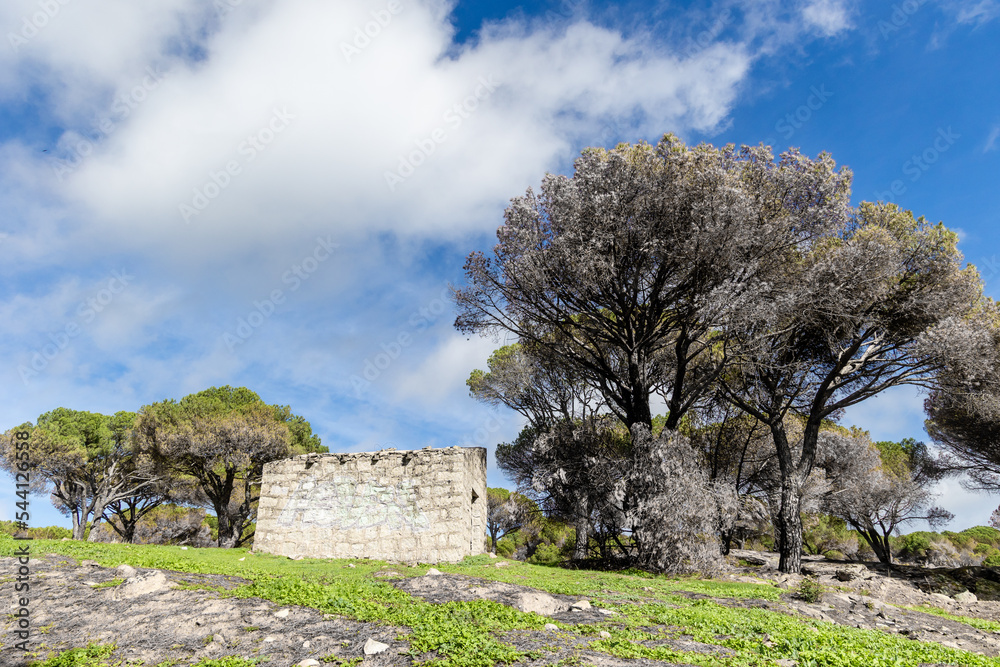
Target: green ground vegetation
650,608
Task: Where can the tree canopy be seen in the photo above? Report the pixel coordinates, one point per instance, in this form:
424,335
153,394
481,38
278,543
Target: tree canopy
222,437
690,274
85,460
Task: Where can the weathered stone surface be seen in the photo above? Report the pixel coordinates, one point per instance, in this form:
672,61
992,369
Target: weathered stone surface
966,597
427,505
373,647
126,571
542,604
143,584
580,605
851,572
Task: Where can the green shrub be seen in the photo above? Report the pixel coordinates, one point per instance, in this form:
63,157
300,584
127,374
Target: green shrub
913,546
983,535
993,560
9,528
833,554
961,541
822,533
809,590
547,554
506,547
983,549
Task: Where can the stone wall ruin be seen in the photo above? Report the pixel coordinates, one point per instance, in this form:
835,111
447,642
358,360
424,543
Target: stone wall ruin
427,505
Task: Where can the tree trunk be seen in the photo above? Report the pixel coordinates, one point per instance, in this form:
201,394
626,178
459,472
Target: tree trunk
228,535
79,528
580,549
881,547
789,527
97,514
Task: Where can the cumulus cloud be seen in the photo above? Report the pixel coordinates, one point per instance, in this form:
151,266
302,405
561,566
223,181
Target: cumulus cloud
211,153
828,17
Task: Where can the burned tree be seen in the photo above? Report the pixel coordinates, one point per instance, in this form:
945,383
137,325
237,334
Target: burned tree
848,318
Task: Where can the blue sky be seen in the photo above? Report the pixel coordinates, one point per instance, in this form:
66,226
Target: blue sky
276,194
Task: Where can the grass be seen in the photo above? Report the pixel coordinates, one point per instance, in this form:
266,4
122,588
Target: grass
651,610
977,623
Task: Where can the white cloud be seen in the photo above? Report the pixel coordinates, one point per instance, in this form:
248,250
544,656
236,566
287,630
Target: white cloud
828,17
345,125
976,12
991,139
890,415
970,508
154,102
444,370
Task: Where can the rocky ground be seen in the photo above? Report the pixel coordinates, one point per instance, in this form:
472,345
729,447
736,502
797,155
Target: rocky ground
152,617
870,596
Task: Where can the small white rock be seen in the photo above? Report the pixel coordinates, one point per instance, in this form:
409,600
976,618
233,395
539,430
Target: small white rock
493,555
372,647
282,614
433,572
268,640
184,548
966,597
607,612
350,565
605,634
309,662
580,605
306,644
551,626
244,558
127,571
